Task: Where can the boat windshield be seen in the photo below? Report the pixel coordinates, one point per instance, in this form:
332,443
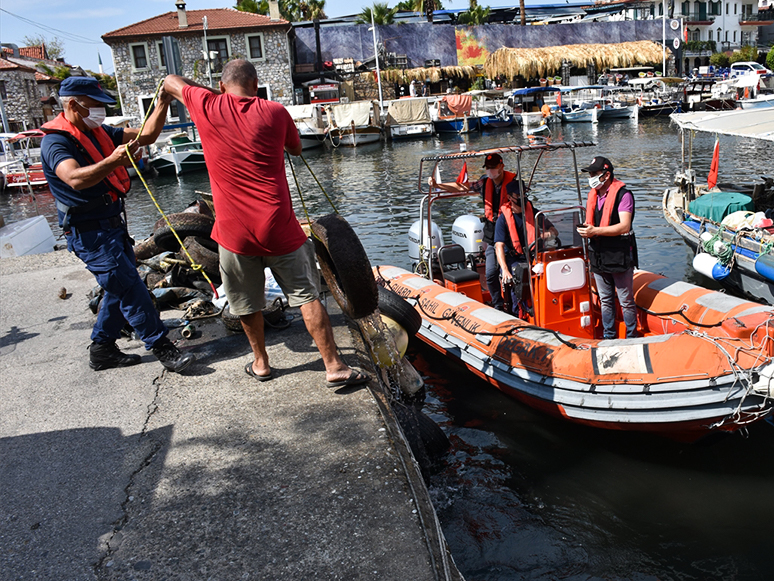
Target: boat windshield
565,221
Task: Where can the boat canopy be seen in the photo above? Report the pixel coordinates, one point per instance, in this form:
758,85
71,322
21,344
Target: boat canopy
301,111
583,88
408,111
533,90
459,104
345,114
753,123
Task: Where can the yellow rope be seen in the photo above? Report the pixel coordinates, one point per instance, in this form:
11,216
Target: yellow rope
300,195
194,265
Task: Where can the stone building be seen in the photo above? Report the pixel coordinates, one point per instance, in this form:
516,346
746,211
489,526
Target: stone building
22,104
140,59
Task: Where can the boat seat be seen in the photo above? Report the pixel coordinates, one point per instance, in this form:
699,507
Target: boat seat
454,264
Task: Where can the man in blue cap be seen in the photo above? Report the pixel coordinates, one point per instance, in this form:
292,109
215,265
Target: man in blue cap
85,164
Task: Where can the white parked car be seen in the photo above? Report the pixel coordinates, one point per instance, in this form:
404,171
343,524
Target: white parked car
745,68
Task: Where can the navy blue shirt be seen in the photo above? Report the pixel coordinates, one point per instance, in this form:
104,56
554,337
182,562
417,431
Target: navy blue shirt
56,148
502,234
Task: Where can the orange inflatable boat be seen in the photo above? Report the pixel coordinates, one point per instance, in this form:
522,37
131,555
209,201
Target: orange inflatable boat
703,361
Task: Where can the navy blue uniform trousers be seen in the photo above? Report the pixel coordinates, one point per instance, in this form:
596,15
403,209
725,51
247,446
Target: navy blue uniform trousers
110,258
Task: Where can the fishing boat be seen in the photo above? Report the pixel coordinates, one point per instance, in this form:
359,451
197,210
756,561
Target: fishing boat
20,160
739,257
493,109
657,96
178,154
452,114
702,364
309,122
409,118
580,104
706,94
352,124
527,103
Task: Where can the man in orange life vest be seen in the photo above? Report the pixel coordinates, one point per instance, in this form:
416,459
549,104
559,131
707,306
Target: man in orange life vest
509,241
85,165
612,247
493,188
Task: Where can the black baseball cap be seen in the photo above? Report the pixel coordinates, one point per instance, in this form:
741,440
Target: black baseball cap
492,160
599,163
84,86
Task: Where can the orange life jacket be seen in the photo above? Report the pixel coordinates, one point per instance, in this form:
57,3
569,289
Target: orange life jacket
489,194
118,180
529,218
607,209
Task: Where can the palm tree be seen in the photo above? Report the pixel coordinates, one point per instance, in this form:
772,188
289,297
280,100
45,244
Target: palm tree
290,10
475,14
382,14
416,6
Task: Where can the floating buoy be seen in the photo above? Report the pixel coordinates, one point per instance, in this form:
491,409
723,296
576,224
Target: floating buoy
710,266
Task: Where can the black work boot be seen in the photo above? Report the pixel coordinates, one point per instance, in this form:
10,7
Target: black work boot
108,355
171,357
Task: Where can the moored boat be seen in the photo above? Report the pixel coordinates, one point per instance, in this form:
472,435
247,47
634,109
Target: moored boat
179,154
351,124
309,122
452,114
20,160
703,362
409,118
737,257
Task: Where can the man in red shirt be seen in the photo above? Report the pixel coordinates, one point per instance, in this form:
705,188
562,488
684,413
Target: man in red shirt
244,139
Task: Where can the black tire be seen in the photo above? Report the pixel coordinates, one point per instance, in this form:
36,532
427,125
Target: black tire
394,306
202,255
185,224
231,322
146,249
345,266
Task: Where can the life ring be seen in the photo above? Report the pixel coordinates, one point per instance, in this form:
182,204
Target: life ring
392,305
345,266
185,224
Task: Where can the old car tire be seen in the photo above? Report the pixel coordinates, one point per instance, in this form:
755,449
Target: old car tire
231,322
146,249
395,307
185,224
202,255
345,266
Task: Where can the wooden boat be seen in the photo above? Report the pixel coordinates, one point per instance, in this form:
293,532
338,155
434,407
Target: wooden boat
703,95
657,97
352,124
703,362
452,114
309,122
178,155
20,160
409,118
695,211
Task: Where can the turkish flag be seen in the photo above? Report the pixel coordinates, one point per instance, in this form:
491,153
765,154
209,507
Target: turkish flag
462,179
712,178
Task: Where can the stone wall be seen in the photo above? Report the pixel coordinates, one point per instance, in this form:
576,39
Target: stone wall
22,103
273,71
367,89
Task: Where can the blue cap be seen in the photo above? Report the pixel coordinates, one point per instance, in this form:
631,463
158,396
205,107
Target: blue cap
84,86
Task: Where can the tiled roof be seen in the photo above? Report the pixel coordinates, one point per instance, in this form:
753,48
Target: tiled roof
217,19
41,77
7,65
30,52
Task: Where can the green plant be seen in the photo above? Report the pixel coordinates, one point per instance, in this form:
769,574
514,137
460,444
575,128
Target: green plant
700,45
770,59
719,59
745,54
382,14
476,15
478,85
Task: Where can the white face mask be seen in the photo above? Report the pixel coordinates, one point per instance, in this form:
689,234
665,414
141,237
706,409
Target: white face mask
596,181
96,117
493,174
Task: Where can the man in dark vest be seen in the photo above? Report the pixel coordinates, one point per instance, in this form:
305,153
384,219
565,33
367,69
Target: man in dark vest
85,164
612,247
494,187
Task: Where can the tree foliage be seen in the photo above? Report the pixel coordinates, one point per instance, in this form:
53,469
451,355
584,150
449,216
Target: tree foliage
719,59
54,46
382,14
416,6
744,54
475,15
290,10
770,59
61,72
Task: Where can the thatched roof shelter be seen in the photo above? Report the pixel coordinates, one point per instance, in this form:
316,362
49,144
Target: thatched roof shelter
404,76
540,62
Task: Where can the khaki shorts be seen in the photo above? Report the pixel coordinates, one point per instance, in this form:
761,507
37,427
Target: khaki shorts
245,281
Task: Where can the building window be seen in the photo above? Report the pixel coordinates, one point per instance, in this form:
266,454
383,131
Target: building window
139,54
686,8
162,56
726,36
709,34
726,8
254,44
734,7
735,36
264,92
219,50
3,93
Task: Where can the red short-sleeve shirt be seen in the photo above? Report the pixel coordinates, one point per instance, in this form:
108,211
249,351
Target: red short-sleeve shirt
243,140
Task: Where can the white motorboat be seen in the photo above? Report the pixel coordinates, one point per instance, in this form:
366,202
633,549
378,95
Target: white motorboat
409,118
310,124
352,124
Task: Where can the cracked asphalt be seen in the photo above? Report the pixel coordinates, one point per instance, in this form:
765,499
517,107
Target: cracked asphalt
138,474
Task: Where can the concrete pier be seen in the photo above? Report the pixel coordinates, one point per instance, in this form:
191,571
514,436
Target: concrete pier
137,473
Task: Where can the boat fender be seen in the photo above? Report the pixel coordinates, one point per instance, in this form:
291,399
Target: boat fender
345,266
710,266
764,265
